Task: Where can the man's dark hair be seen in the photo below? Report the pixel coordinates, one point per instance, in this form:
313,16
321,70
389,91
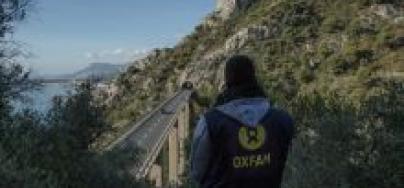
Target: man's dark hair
239,71
240,79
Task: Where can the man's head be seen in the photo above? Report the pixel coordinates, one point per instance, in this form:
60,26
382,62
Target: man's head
239,71
240,80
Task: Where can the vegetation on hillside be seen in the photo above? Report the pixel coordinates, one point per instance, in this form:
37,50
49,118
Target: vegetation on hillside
324,46
337,66
340,145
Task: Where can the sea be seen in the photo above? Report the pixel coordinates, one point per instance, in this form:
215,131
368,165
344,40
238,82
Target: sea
40,99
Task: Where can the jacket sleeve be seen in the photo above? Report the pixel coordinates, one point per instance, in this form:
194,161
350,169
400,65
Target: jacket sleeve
287,130
201,151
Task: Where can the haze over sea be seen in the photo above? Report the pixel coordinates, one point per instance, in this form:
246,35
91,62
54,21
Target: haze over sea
40,99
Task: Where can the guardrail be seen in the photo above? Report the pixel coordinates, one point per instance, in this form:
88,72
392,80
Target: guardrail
153,154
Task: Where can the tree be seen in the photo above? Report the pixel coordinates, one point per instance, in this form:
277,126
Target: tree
52,151
13,78
80,115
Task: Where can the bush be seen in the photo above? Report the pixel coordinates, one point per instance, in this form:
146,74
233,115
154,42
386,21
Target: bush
341,65
364,56
370,2
307,75
325,51
342,145
333,24
54,151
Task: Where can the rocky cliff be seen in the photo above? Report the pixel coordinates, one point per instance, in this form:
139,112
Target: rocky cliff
227,7
300,47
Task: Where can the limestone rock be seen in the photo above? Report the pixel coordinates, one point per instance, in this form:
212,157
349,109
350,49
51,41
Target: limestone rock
205,69
210,67
247,34
227,7
387,11
399,20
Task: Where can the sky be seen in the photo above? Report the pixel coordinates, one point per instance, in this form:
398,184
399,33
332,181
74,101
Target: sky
64,36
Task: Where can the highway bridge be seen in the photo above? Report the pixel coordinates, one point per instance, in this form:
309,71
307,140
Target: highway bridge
166,124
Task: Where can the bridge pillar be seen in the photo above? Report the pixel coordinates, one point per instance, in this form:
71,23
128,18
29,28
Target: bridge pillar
183,131
156,176
177,147
173,156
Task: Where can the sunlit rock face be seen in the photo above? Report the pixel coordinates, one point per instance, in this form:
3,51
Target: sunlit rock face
386,11
245,35
226,7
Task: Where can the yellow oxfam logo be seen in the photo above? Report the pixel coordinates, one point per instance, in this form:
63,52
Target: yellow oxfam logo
251,138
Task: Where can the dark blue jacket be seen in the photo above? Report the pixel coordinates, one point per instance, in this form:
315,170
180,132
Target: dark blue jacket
242,143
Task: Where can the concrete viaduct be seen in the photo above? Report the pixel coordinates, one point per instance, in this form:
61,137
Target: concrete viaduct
163,131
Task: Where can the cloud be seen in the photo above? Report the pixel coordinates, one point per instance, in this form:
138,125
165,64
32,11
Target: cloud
118,51
91,55
138,53
117,54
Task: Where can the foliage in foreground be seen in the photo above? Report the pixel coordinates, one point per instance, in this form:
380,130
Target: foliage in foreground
53,151
339,145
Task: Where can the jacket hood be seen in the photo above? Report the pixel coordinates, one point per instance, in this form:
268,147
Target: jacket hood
248,111
252,90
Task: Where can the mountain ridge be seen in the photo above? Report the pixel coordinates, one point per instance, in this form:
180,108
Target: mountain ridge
101,70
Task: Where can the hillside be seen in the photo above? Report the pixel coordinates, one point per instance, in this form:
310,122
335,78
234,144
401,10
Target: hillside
311,55
300,47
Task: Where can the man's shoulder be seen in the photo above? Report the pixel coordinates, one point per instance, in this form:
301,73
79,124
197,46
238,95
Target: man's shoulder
211,110
281,116
212,114
283,120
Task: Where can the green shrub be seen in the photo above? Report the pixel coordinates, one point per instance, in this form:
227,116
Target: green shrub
333,24
340,145
306,75
370,2
54,151
364,56
325,51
